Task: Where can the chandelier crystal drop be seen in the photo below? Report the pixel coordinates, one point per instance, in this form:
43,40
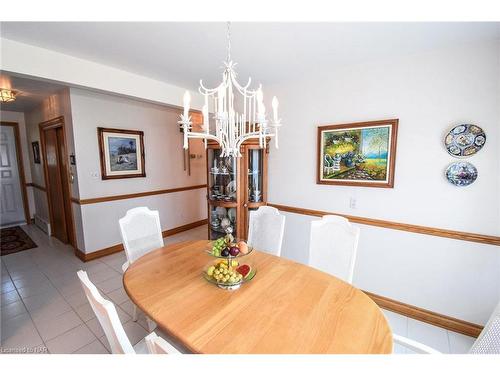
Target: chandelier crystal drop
232,127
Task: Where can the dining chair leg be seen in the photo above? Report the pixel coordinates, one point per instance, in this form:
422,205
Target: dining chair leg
134,316
151,325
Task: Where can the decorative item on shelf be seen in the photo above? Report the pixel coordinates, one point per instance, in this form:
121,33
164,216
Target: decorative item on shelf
358,154
231,190
461,173
221,212
231,127
121,152
231,214
464,140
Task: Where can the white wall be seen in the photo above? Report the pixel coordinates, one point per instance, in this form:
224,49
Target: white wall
163,163
26,151
429,93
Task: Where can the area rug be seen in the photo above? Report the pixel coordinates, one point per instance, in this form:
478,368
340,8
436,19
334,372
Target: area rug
13,240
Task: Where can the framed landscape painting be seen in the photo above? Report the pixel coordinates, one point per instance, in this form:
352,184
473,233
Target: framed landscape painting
121,152
358,154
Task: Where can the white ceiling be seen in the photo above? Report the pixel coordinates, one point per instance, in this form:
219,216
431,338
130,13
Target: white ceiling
30,92
182,53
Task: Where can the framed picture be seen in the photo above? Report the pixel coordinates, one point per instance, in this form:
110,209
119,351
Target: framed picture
358,154
36,152
121,152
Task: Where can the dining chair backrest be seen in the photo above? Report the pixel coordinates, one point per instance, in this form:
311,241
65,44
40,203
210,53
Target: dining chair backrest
141,232
265,230
157,345
333,246
488,341
108,317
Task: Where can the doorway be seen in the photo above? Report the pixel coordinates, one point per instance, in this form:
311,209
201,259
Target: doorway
55,165
14,208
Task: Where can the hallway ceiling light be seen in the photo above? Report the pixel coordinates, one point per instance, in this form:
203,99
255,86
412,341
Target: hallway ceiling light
7,95
232,128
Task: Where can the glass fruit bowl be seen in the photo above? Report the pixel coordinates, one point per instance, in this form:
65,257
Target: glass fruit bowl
228,247
229,274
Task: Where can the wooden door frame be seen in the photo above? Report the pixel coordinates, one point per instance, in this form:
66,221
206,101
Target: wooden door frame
20,168
57,122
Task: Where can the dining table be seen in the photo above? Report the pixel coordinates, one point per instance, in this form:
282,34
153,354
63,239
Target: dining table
287,308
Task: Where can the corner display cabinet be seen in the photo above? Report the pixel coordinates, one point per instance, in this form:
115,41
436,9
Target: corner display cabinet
235,186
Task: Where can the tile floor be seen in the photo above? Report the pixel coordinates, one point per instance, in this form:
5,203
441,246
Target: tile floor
44,309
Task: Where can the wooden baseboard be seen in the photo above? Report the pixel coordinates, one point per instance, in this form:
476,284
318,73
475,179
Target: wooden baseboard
426,316
119,247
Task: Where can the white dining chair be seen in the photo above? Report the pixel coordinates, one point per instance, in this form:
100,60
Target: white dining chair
141,232
333,246
488,341
105,312
265,230
158,345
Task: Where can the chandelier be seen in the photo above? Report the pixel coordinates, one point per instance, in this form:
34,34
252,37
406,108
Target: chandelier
232,127
7,95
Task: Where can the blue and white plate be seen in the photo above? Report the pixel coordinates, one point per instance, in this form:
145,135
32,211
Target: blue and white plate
465,140
461,173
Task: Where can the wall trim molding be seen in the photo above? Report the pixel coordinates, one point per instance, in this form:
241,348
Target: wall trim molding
85,257
134,195
39,187
431,231
426,316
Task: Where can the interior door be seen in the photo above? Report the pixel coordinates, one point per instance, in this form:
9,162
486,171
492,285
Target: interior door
55,183
11,206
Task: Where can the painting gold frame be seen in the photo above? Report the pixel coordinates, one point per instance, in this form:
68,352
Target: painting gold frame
390,164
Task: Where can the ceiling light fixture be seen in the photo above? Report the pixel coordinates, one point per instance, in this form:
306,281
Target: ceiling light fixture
232,128
7,95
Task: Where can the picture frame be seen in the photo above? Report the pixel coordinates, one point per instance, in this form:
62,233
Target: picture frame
121,153
36,152
358,154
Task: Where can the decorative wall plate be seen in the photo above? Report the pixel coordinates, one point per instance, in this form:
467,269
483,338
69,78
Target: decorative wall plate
461,173
464,140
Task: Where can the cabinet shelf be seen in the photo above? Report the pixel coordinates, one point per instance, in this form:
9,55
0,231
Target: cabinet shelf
246,178
222,203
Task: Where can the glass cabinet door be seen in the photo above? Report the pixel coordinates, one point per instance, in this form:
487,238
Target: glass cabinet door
255,173
222,194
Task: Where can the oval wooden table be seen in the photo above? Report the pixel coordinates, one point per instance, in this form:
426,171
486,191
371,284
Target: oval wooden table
287,308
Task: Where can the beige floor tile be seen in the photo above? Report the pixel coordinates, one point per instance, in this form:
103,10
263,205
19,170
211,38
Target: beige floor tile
71,341
53,327
77,299
20,332
111,284
95,347
52,309
7,286
36,289
42,300
9,297
95,327
118,296
12,309
85,312
135,332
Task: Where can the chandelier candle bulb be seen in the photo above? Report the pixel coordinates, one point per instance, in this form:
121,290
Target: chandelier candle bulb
187,101
275,104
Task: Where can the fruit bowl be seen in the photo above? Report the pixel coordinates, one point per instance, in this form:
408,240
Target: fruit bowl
228,273
228,248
